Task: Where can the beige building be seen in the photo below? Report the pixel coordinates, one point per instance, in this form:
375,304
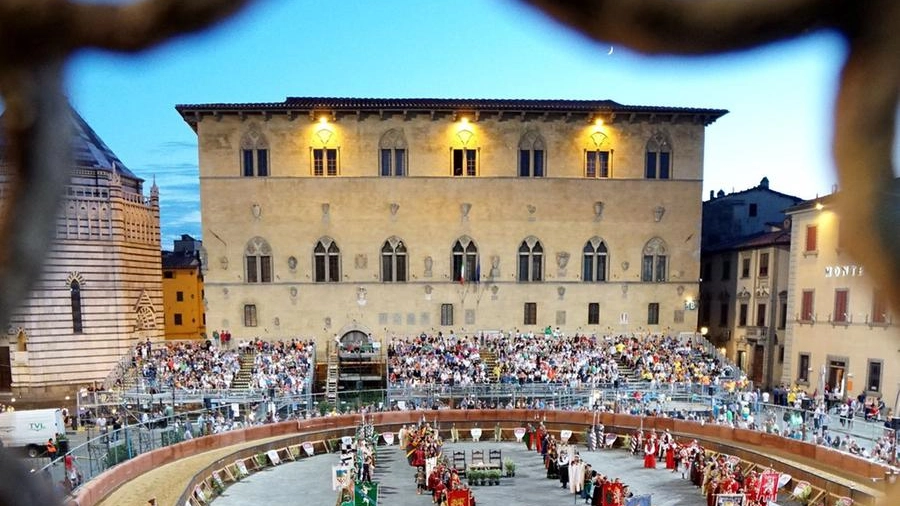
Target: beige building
840,331
329,217
101,289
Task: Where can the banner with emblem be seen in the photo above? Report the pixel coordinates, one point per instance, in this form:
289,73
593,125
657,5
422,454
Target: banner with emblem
612,494
340,477
458,498
519,432
309,448
767,486
365,493
843,501
388,438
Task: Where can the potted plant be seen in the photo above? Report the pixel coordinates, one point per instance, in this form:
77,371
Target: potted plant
494,476
510,466
472,477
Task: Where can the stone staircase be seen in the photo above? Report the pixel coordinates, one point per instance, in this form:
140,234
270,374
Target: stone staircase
489,359
242,379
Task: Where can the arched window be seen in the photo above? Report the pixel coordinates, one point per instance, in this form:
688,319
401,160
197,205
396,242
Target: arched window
327,261
393,261
258,261
531,155
392,153
595,261
465,260
254,152
531,260
654,266
75,297
659,157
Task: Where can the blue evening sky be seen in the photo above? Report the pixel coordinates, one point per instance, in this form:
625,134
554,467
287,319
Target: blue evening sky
780,97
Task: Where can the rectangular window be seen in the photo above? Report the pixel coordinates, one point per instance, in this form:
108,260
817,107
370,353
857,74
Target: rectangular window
179,296
873,376
723,314
726,270
538,163
806,306
647,269
707,271
781,354
262,162
763,265
255,162
705,311
168,274
653,313
446,314
252,270
265,269
531,163
742,315
594,313
596,164
841,310
803,368
664,165
177,318
650,171
250,315
325,162
393,162
530,313
879,307
782,320
465,162
660,268
752,210
811,238
760,315
524,163
745,268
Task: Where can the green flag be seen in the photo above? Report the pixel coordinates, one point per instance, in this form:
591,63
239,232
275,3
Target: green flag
365,494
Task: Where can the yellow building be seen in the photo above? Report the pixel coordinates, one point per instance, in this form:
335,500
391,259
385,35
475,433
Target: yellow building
840,331
183,290
327,217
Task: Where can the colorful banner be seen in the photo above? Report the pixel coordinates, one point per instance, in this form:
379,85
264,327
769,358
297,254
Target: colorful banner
767,486
458,498
388,438
430,464
519,432
730,499
340,477
365,494
843,501
476,434
309,449
613,494
564,436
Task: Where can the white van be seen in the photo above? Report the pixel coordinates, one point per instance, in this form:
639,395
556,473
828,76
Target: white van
30,429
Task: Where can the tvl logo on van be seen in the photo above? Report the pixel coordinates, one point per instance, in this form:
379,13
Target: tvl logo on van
37,426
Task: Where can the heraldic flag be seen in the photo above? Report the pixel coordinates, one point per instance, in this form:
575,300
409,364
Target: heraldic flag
365,493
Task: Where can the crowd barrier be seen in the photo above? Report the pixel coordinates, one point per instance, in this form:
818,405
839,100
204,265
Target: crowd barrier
860,479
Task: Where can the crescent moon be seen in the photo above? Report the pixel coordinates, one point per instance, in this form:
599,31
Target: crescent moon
610,51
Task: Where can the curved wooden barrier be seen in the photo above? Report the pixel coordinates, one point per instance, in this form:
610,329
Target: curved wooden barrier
750,445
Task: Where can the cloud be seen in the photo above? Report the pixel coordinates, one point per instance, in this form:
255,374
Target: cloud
170,146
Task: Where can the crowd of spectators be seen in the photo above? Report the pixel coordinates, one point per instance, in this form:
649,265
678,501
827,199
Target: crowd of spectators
189,366
551,358
282,366
436,359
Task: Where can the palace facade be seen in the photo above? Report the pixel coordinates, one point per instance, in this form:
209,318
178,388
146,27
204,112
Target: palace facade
841,334
332,217
101,288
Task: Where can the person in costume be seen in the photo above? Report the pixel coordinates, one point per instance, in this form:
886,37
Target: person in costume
650,453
